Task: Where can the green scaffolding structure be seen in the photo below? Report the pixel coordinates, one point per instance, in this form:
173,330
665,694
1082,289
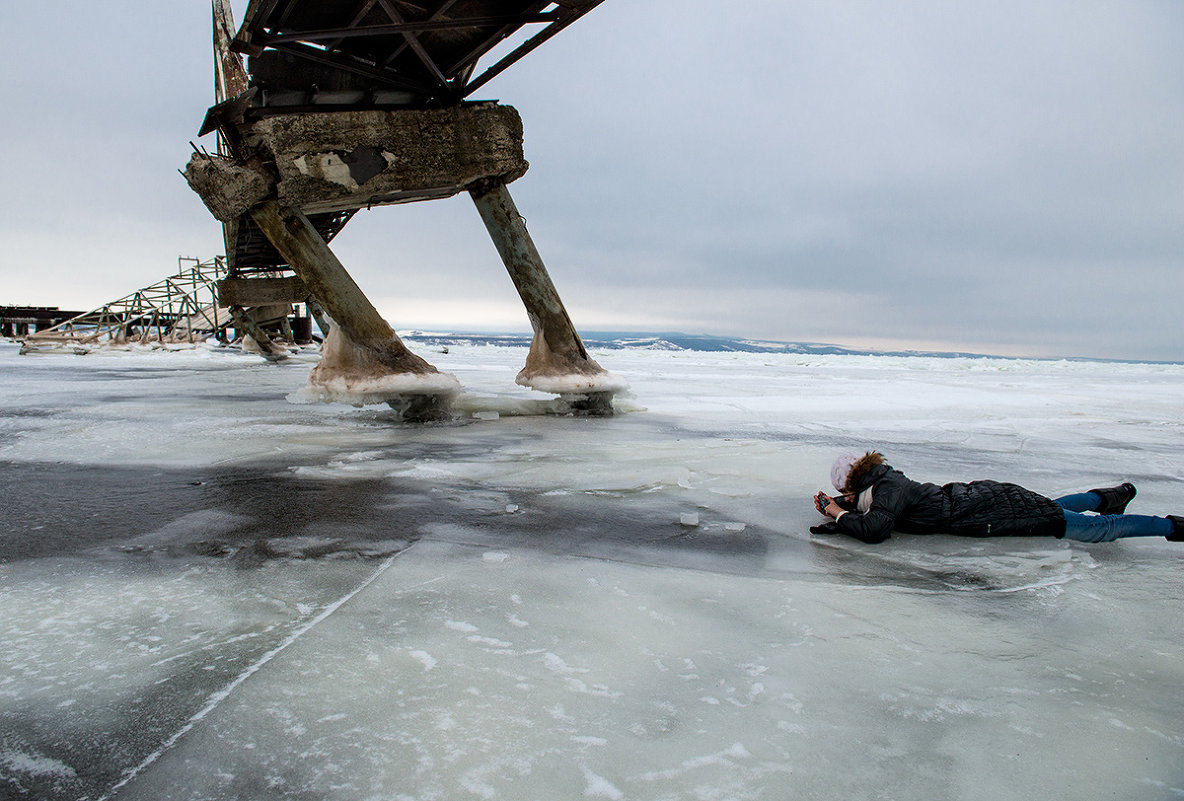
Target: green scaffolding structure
183,308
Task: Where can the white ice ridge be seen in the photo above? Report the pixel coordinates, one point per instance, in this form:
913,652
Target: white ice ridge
359,391
221,695
576,383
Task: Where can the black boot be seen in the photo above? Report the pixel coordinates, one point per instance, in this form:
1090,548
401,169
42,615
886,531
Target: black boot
1115,499
1178,534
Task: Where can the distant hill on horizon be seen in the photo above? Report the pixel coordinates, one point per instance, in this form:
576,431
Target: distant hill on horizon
677,341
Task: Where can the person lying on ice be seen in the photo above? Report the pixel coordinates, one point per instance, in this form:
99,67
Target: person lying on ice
876,499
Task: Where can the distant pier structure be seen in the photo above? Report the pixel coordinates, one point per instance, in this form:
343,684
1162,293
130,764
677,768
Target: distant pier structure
19,321
344,105
194,304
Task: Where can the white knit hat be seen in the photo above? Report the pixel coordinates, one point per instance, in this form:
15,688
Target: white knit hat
841,469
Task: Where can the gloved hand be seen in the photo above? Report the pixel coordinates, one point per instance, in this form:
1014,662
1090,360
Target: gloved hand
826,528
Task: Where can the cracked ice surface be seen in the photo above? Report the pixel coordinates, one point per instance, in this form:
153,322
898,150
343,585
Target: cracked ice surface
210,593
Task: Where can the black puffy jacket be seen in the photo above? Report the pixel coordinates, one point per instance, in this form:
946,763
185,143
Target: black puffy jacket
974,509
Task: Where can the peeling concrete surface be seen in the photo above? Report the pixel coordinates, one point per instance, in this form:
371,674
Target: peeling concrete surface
351,159
229,190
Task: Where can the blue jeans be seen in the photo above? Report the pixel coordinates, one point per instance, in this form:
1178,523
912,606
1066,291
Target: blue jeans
1105,528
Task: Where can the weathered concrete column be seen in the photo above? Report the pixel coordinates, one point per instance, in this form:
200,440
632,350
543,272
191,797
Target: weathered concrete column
365,360
558,361
263,344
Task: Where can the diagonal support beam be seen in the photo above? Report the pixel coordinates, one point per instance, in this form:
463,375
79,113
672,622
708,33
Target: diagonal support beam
413,43
558,361
355,20
399,25
244,323
362,360
436,17
520,51
347,63
329,282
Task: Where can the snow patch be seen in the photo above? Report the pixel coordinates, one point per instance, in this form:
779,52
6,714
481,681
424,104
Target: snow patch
35,765
599,787
424,658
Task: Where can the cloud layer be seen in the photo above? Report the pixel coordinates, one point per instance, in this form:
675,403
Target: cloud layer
993,176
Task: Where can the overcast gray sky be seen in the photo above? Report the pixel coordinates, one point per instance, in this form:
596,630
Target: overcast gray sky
1002,176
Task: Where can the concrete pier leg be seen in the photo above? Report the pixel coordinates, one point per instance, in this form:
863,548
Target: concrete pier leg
318,315
368,363
558,361
267,349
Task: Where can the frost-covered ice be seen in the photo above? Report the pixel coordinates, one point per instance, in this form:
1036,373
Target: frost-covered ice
212,593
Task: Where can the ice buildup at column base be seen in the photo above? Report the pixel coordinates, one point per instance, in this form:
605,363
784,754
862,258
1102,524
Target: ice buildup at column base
359,376
582,385
270,351
581,393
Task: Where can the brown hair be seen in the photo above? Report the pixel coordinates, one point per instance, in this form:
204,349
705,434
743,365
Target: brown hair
861,468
